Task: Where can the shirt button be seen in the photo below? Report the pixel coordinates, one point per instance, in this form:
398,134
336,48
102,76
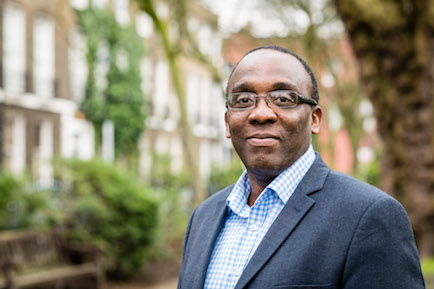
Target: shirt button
253,228
237,273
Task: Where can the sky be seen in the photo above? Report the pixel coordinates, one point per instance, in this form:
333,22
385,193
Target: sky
235,14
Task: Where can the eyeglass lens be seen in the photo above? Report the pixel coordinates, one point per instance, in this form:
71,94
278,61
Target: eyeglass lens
245,100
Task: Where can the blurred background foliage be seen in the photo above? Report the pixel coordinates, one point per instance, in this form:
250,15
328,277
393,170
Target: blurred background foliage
380,59
93,202
21,204
103,205
122,101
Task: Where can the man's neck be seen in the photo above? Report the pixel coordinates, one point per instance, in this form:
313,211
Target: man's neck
259,180
257,185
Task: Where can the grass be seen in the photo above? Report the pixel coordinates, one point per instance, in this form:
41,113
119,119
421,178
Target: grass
428,272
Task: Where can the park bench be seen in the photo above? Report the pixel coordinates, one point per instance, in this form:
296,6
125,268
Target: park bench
43,259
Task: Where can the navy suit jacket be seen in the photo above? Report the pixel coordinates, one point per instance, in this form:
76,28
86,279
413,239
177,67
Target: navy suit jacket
334,232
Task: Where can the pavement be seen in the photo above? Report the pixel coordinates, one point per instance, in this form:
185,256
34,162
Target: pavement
169,284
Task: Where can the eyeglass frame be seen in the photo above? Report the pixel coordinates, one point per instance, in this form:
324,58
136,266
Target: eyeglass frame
299,98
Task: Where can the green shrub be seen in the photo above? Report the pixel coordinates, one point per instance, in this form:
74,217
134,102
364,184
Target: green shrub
21,206
170,187
223,177
428,266
105,206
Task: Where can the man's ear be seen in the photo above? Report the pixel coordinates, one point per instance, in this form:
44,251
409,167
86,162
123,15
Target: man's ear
316,119
228,133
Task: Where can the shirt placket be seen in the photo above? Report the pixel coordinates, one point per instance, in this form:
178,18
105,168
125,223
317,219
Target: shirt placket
252,228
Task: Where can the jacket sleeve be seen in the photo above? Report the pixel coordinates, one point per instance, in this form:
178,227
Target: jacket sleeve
383,254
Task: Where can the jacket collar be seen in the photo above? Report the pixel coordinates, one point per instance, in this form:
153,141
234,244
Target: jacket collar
297,207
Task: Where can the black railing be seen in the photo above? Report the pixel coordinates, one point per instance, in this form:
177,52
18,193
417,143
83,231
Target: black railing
29,82
56,87
1,75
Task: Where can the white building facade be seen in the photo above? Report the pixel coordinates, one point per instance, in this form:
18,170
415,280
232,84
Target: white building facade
204,98
43,74
39,116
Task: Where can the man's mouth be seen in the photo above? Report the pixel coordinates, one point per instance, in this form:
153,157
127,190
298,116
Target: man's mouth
262,139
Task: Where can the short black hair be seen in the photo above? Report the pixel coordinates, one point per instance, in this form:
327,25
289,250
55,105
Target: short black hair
315,93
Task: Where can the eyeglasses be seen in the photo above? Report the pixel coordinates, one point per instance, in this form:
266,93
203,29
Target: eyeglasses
278,98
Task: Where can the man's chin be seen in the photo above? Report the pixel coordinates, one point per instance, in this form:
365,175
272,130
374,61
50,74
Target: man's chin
264,167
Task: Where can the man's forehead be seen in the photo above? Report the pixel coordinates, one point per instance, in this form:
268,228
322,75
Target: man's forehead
270,63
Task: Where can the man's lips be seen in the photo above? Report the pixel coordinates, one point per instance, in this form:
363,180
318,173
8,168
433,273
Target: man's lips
262,139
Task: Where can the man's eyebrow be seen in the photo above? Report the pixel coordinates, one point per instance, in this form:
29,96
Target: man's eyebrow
242,87
247,86
284,85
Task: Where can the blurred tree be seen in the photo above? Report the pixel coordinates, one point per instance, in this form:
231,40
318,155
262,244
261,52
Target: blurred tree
183,45
318,39
122,100
394,43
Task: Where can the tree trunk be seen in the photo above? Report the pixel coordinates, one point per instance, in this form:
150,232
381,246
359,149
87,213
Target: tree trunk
173,53
394,43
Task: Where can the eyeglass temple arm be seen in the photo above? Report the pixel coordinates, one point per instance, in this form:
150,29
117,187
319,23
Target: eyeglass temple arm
308,100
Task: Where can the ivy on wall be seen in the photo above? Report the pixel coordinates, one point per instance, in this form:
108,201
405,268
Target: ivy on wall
122,99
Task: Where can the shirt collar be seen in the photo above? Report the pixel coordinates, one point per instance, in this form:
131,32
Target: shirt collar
283,185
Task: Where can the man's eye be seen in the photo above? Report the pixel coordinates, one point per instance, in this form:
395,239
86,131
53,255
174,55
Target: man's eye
283,99
244,100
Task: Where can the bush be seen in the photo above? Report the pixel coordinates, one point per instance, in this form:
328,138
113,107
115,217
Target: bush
105,206
223,177
20,205
171,188
428,266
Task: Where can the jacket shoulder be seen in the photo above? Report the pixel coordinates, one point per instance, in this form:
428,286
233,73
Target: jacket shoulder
216,198
351,189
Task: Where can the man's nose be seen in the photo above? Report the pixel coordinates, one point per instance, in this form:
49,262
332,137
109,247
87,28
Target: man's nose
262,113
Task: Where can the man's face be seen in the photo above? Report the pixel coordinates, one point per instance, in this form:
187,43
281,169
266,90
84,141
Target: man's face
269,140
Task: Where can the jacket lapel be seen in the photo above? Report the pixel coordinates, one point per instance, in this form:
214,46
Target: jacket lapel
210,230
297,207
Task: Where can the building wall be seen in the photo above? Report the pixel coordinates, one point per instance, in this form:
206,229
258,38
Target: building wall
39,121
37,111
204,98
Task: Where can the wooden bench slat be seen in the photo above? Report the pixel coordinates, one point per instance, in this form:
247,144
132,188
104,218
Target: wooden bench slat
30,259
61,273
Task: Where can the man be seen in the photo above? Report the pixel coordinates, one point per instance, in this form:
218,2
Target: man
290,221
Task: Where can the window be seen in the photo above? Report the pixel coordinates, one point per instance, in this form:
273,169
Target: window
204,159
99,3
102,66
161,144
43,57
144,25
176,154
18,145
218,110
161,96
146,73
205,100
79,4
121,11
14,48
192,97
77,66
205,39
46,152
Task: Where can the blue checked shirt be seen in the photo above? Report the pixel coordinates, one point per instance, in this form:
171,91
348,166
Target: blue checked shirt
246,226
